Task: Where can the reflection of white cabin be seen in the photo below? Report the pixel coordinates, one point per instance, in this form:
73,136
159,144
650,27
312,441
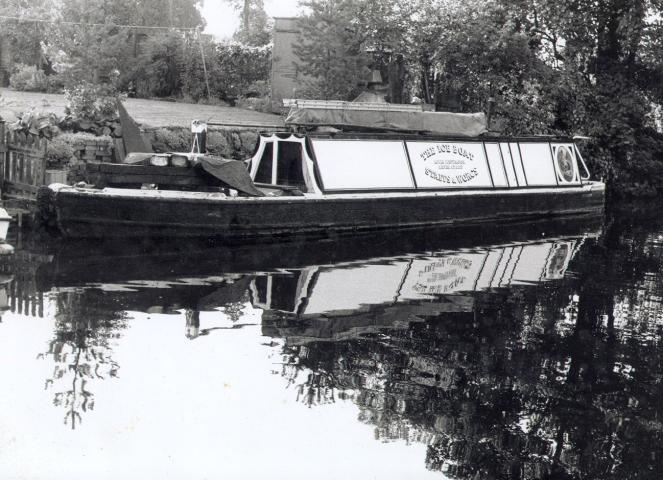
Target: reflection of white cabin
346,288
343,163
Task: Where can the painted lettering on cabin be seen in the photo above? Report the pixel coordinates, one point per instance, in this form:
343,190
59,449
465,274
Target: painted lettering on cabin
443,159
449,164
452,179
442,148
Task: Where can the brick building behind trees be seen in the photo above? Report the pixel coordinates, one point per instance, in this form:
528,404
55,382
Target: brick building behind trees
5,61
286,77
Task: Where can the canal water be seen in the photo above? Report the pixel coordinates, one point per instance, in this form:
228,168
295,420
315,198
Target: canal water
511,352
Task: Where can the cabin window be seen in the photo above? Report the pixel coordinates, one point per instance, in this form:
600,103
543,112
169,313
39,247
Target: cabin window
362,165
264,172
538,165
289,170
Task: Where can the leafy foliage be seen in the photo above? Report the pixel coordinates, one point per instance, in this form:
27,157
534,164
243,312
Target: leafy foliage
240,71
171,67
36,122
87,101
549,67
90,40
24,40
330,47
255,26
59,152
28,78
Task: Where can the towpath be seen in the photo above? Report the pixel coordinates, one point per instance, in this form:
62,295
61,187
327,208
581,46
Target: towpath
148,113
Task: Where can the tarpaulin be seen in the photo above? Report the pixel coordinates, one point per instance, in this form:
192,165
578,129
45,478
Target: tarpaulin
441,123
231,172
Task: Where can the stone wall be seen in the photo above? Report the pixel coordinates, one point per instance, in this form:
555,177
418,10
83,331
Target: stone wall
93,150
227,142
70,152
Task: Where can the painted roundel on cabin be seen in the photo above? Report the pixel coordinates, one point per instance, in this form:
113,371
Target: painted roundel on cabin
565,164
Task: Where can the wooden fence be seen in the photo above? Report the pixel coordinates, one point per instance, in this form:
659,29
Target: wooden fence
24,166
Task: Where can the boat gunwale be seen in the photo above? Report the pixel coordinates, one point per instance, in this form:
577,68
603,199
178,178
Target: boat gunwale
215,197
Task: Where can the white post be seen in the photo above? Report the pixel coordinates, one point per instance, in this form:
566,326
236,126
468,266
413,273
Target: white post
275,160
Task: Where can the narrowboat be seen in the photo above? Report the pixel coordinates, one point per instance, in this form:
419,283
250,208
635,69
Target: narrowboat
442,170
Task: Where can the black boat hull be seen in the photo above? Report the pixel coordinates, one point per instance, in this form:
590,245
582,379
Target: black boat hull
86,213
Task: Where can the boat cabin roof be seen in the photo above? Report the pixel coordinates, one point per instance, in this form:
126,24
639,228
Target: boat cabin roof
353,162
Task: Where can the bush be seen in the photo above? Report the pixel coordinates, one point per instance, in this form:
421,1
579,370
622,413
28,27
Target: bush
260,104
87,101
28,78
37,122
240,71
59,152
170,66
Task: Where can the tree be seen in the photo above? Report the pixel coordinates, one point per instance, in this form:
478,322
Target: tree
95,45
330,50
561,67
254,28
607,78
338,40
467,53
23,39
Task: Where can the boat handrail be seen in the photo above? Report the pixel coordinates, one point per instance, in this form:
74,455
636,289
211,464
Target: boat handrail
584,165
582,160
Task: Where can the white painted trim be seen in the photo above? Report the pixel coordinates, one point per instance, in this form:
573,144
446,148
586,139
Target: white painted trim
220,197
275,162
255,160
308,165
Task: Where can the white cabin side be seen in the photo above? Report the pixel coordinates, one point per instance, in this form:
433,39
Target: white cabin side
349,164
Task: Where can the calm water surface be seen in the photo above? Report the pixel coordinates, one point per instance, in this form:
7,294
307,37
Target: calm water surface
520,352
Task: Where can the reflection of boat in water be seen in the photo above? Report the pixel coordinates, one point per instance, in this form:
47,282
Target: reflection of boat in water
332,302
355,285
327,288
79,262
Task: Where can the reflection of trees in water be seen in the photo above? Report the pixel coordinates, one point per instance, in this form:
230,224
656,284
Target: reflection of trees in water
82,352
235,310
313,387
537,382
232,310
